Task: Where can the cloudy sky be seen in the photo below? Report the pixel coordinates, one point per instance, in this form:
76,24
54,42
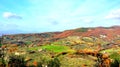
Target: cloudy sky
33,16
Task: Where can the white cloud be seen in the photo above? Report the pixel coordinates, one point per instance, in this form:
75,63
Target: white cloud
114,14
9,15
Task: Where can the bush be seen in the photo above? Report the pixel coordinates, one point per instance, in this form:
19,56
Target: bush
2,56
116,59
39,64
54,63
46,61
16,61
0,45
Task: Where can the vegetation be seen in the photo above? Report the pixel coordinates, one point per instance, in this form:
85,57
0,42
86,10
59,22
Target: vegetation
82,30
75,48
56,48
54,63
116,59
16,61
0,41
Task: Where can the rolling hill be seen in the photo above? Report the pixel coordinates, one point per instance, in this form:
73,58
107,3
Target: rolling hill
106,33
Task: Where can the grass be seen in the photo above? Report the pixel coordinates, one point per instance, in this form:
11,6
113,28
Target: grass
56,48
111,50
53,48
76,62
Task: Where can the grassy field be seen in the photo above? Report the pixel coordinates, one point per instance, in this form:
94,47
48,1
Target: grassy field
53,48
111,50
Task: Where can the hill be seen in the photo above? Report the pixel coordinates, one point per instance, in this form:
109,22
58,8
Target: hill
105,33
84,47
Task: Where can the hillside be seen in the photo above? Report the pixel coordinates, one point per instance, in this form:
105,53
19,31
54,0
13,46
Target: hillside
81,47
106,33
37,38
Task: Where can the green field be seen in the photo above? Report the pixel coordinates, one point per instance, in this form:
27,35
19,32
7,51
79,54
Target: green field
112,50
53,48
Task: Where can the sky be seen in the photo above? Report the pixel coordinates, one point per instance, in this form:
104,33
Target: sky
36,16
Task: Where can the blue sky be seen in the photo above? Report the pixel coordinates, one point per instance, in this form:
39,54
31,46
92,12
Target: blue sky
33,16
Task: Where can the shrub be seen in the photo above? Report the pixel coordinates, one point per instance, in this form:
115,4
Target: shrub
116,59
0,45
54,63
39,64
16,61
2,56
46,61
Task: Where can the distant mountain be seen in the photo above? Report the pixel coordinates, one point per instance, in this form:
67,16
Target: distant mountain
35,38
8,32
106,33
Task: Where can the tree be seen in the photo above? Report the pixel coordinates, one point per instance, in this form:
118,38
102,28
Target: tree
54,62
116,57
16,61
0,41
